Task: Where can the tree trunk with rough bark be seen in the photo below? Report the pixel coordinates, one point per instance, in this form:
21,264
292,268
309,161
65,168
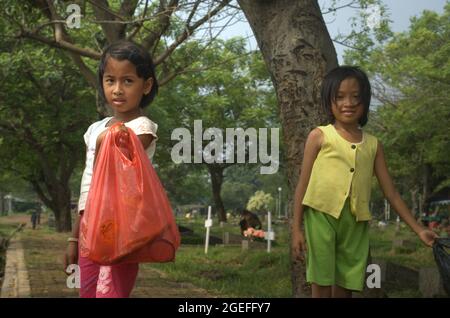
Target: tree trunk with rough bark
414,204
216,172
63,218
57,198
2,203
298,51
426,188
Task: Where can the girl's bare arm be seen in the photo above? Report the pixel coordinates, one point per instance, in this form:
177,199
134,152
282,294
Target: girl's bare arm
392,195
312,148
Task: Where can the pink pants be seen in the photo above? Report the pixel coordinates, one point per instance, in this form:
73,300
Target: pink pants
97,281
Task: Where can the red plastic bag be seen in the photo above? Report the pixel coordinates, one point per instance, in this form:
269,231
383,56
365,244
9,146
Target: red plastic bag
128,217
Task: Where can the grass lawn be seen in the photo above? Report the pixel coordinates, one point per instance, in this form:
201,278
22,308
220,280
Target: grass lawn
416,256
233,272
226,271
256,273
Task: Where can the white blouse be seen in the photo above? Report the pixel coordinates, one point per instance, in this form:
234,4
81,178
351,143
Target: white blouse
140,126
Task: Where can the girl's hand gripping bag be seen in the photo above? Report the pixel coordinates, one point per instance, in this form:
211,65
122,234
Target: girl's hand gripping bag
128,217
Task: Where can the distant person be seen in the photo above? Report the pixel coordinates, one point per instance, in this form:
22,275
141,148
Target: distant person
249,220
334,187
34,217
38,212
425,219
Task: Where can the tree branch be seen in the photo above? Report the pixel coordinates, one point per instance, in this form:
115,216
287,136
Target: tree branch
102,12
60,44
188,31
192,13
184,69
113,24
140,24
163,15
330,10
63,41
127,8
347,45
40,192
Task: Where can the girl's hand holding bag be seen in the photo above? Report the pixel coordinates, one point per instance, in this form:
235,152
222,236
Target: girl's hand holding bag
128,217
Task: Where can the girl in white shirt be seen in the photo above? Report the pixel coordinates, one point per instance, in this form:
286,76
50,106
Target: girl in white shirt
127,83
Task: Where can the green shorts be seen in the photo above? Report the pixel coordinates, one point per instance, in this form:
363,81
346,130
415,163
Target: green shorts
337,249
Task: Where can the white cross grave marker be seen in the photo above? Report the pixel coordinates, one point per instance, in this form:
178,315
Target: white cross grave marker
208,224
269,235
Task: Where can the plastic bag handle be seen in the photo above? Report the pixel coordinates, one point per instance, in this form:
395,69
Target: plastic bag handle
129,147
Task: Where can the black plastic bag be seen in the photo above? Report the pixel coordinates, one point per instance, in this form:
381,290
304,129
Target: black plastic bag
442,258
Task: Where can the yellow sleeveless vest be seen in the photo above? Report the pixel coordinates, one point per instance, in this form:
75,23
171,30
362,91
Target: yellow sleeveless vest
340,165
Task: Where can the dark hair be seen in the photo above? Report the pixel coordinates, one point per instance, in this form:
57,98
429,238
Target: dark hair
136,54
332,81
249,219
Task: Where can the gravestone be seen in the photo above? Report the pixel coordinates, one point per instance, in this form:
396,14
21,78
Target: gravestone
185,230
208,224
249,244
226,238
430,282
51,220
402,275
405,246
269,235
405,276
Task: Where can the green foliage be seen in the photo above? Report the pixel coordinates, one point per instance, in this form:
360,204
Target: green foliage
242,181
410,74
217,81
260,202
45,107
228,88
366,30
231,272
42,106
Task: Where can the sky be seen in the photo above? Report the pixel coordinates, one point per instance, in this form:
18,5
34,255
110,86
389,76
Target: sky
400,12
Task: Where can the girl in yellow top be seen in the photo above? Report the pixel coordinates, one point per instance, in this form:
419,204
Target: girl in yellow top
333,191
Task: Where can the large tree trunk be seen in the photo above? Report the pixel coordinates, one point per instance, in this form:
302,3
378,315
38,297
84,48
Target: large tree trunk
298,51
426,188
57,199
2,202
216,172
414,203
63,216
52,187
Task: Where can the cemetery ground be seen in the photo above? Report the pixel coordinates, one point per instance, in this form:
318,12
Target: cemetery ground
43,249
227,270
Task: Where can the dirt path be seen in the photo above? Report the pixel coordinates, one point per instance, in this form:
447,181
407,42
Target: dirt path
15,282
42,251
